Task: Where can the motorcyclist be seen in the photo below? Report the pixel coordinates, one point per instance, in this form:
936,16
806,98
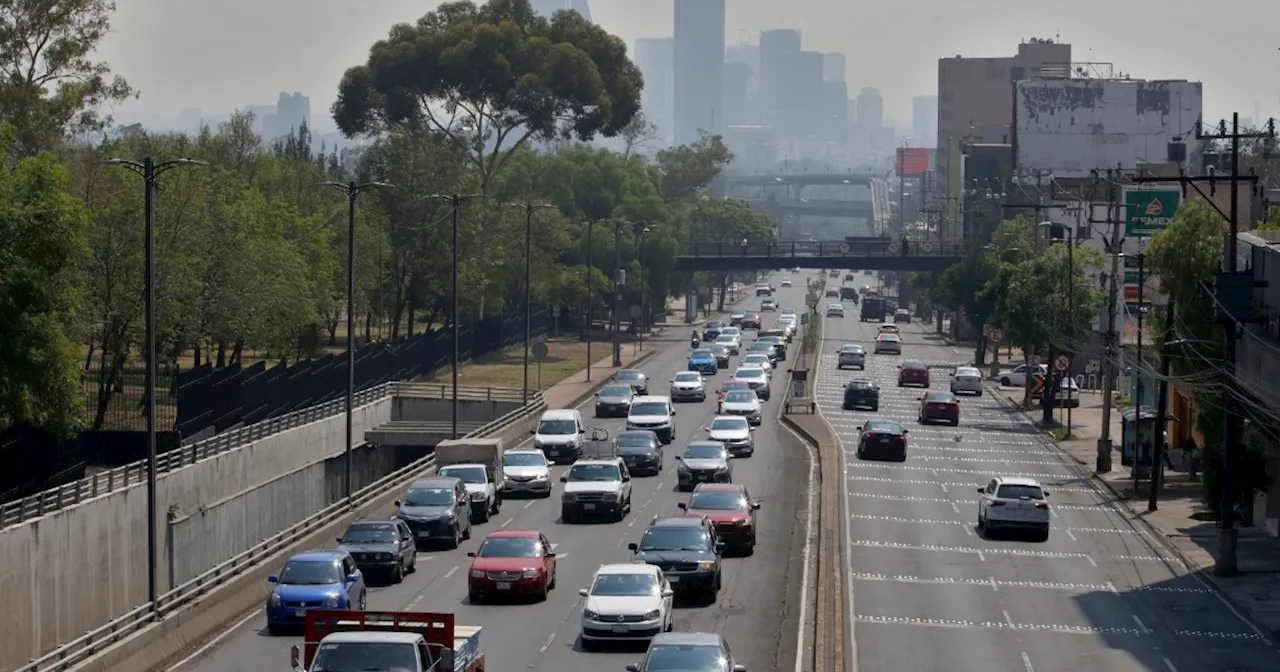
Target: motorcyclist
695,339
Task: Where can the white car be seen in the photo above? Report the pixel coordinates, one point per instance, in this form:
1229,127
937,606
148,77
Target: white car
1068,394
761,360
688,386
757,378
655,414
852,354
626,602
527,472
966,379
1014,503
735,318
786,282
891,343
835,310
744,404
734,432
731,342
1017,377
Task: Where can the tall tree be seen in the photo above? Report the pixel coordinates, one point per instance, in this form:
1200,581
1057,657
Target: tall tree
689,169
491,79
50,83
729,221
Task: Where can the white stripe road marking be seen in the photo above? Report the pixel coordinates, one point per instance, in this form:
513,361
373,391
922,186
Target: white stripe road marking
998,625
1026,662
528,504
547,645
985,474
1141,625
907,481
451,572
966,523
1169,664
1007,618
507,522
1021,552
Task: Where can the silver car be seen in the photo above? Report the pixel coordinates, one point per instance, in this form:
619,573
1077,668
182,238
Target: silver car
888,343
704,462
734,432
852,355
966,379
688,386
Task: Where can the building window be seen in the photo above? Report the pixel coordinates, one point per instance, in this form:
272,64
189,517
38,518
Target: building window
1017,73
944,115
945,97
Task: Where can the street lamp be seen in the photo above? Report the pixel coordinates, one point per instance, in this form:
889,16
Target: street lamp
352,190
528,209
591,291
1071,289
644,295
617,286
150,172
455,201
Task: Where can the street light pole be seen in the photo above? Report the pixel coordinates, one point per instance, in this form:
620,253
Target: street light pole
644,294
352,190
528,209
455,201
150,172
617,294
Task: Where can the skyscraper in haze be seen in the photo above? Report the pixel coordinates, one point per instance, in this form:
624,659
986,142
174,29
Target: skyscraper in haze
776,48
924,121
870,108
549,7
655,56
699,68
833,67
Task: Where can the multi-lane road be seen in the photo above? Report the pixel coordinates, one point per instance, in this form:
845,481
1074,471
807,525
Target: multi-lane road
757,607
930,592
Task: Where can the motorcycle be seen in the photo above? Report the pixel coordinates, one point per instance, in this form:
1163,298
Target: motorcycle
694,341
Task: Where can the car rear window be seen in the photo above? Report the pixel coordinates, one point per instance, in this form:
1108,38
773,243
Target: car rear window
915,366
860,385
939,397
1020,492
883,426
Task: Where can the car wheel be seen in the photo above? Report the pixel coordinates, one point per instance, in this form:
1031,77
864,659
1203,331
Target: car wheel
955,423
566,515
542,594
979,393
413,563
467,533
552,584
484,516
275,630
875,409
1043,536
456,541
475,598
397,574
1006,382
364,601
587,644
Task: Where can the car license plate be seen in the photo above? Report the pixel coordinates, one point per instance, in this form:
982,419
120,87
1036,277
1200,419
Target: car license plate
620,629
588,507
300,613
504,585
673,579
423,534
884,440
553,453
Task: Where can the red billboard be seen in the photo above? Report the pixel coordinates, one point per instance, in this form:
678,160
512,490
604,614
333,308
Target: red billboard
912,161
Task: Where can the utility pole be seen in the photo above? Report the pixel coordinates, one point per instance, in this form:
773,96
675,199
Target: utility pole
1233,295
1114,248
1157,458
1137,367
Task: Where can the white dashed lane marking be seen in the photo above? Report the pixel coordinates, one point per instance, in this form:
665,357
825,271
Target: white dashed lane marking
984,474
1021,552
1010,624
970,523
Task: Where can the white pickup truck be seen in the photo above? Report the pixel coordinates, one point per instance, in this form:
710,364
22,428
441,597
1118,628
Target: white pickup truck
355,641
478,464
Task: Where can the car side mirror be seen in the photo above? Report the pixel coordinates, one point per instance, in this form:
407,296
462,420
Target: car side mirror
273,579
633,547
679,458
582,431
397,503
471,554
753,428
682,506
352,578
552,554
919,398
905,432
1046,495
859,428
633,667
755,506
739,668
295,656
982,491
673,414
564,479
584,592
533,432
339,540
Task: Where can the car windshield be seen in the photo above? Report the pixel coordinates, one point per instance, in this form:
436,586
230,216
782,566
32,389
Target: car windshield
370,534
861,385
739,313
720,424
557,427
675,538
629,375
719,350
649,408
740,397
685,658
749,373
725,338
344,657
851,348
625,585
509,547
690,377
732,331
700,353
788,311
466,474
915,366
887,337
715,324
616,391
1019,492
705,451
757,358
718,501
939,397
530,459
429,497
311,573
594,472
882,427
628,439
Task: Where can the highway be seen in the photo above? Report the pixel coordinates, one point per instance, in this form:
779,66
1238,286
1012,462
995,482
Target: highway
929,592
752,611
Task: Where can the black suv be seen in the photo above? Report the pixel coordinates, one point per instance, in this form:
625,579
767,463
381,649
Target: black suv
383,547
712,331
688,552
861,394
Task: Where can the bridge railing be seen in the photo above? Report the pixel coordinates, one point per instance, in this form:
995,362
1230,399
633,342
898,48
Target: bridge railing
826,248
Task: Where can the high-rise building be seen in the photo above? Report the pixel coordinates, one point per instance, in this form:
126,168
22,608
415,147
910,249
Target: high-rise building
924,121
833,65
549,7
655,56
801,91
699,68
870,108
776,47
292,110
748,55
736,112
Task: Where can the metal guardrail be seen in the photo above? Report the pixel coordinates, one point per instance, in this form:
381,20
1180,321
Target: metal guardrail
95,641
885,248
105,482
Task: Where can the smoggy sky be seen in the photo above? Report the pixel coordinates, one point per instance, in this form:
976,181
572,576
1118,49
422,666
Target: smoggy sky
221,55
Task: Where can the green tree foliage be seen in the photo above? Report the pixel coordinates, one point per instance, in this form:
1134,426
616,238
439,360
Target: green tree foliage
42,247
50,83
490,79
688,169
723,219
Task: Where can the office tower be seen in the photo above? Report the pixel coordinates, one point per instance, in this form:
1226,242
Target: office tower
655,56
833,64
924,120
699,68
549,7
776,47
870,108
735,94
801,92
749,55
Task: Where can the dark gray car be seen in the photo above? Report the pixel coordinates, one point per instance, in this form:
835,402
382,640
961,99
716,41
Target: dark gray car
437,510
635,378
383,547
641,451
614,401
687,652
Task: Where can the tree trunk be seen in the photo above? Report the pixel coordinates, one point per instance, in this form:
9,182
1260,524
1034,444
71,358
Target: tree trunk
222,353
368,327
724,289
195,354
237,351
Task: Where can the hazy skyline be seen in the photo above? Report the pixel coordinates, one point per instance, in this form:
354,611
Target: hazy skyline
226,55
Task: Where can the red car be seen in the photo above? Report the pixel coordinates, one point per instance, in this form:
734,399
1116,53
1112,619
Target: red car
730,509
512,562
721,354
751,321
913,373
936,406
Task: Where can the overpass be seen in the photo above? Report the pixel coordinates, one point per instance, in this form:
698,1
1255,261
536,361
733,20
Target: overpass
814,208
878,255
800,179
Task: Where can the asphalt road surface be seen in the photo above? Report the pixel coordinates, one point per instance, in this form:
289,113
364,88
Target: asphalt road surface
751,612
931,593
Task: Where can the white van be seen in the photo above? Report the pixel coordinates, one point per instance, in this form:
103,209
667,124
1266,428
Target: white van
559,435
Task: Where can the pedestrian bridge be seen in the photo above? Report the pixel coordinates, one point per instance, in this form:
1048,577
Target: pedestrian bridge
875,255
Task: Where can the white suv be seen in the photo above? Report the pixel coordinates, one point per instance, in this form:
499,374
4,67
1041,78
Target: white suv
596,487
1014,503
655,414
626,602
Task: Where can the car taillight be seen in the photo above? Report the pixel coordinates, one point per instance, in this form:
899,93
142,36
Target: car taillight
1042,505
997,503
868,436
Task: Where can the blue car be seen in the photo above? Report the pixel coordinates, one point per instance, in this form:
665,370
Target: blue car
314,580
703,361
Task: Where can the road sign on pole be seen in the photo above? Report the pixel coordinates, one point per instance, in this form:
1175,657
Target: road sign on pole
539,351
1093,366
1061,363
1034,360
1149,211
996,336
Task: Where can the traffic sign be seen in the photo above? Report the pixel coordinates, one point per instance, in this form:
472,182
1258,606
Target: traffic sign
1149,211
1061,363
893,247
1093,366
996,336
844,248
1034,360
927,247
1037,384
539,351
634,311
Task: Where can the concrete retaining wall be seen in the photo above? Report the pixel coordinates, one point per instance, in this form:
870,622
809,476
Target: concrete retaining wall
426,409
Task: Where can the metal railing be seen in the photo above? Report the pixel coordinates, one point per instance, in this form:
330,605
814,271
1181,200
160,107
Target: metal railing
95,641
884,248
105,482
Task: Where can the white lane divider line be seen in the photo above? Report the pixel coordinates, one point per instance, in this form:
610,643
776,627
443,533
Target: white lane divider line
954,507
547,645
208,646
994,588
528,504
982,557
1007,618
944,487
451,572
1112,588
1141,626
1095,562
632,522
1069,534
507,522
1169,664
1026,662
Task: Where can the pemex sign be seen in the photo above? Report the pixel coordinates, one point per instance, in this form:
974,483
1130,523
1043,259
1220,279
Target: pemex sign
1149,211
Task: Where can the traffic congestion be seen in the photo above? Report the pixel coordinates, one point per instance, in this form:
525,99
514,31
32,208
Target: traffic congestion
637,531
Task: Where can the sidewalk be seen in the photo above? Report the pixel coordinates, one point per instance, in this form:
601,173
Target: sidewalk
1182,521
